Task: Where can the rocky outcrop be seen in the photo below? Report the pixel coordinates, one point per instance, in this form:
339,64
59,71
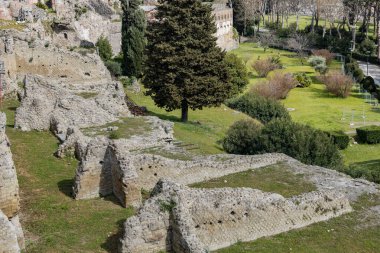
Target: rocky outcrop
180,219
11,235
46,105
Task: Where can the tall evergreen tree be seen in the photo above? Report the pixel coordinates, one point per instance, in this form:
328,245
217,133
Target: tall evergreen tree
184,67
133,37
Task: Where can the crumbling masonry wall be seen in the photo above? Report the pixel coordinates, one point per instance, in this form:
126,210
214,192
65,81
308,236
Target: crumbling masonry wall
180,219
11,235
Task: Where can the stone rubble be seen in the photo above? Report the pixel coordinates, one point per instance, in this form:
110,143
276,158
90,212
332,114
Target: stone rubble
11,235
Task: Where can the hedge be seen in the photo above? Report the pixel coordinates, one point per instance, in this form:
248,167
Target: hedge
369,134
340,139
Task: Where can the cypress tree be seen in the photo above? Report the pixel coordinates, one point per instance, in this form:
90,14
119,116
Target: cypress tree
133,37
184,67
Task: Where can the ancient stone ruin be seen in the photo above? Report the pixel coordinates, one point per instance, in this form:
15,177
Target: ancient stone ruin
179,219
48,105
11,234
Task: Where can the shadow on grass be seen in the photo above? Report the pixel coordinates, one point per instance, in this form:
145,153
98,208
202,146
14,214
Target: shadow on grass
65,186
112,243
165,117
112,198
321,93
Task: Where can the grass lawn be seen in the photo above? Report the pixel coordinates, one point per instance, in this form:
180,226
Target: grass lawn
314,106
52,220
204,129
275,178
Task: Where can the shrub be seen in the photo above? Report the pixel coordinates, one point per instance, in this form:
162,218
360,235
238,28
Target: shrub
277,87
114,67
326,54
299,141
369,173
242,137
316,60
237,72
303,80
105,49
369,85
369,134
259,107
263,67
338,84
42,5
352,68
114,135
319,64
341,140
367,47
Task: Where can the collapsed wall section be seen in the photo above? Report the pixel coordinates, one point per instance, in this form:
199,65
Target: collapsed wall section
11,235
181,219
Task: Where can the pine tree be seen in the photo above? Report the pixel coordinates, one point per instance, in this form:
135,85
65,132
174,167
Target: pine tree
184,67
133,37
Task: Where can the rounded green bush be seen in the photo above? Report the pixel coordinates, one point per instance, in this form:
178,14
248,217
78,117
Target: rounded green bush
301,142
242,137
259,107
303,80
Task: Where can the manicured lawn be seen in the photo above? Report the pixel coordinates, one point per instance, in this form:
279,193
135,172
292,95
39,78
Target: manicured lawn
275,178
52,220
353,232
314,106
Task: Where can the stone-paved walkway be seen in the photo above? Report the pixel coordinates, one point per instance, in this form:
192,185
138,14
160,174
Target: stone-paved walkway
373,70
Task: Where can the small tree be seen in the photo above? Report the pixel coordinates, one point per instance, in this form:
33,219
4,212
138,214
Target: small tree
105,49
299,43
133,37
266,39
184,68
237,71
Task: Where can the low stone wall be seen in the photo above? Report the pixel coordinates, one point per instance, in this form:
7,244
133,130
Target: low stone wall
11,235
181,219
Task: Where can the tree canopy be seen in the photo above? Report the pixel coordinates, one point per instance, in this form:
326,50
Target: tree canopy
184,67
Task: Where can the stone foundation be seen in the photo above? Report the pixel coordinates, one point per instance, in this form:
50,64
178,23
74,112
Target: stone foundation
180,219
11,235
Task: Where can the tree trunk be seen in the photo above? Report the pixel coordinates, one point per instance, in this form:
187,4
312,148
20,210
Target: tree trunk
378,39
184,111
298,22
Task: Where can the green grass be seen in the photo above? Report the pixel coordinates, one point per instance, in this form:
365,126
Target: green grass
316,107
276,178
52,220
10,24
126,128
204,129
353,232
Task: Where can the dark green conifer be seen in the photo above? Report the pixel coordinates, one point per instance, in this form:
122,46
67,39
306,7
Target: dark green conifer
133,37
184,67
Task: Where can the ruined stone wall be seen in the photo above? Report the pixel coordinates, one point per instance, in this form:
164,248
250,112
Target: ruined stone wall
99,172
31,56
11,235
46,105
150,168
200,220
